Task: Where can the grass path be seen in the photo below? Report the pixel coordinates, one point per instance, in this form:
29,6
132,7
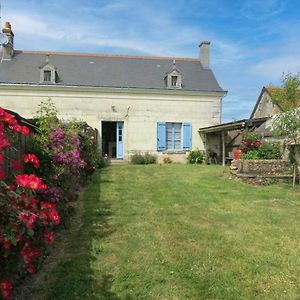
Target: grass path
180,232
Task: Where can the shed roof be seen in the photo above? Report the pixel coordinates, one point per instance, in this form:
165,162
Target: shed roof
234,125
116,71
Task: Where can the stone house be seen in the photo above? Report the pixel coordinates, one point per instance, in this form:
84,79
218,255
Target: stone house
265,105
137,103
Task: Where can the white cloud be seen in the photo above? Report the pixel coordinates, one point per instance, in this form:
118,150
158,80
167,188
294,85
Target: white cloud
228,52
273,68
259,10
30,25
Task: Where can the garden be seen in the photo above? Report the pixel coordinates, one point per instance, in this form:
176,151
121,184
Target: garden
174,231
42,170
69,230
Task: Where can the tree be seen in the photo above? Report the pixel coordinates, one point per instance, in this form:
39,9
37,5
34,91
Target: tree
287,124
288,96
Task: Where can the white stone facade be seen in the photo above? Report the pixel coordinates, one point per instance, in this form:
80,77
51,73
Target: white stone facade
140,110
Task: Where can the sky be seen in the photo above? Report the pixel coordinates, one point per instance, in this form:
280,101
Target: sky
253,42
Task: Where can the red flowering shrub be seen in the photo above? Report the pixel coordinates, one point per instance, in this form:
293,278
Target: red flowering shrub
36,189
31,159
25,221
250,141
6,289
30,181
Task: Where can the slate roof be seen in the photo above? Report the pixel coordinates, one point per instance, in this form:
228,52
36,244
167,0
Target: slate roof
115,71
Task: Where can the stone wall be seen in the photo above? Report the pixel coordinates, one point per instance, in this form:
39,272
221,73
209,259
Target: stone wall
268,167
175,157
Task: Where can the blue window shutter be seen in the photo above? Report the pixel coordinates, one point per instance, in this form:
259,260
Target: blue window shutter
161,136
187,136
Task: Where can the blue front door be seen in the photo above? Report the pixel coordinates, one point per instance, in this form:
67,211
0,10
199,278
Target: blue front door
120,140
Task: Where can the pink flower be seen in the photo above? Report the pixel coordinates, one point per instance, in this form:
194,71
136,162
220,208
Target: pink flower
25,130
49,213
49,237
19,238
7,245
6,288
31,159
30,181
31,269
28,220
29,253
4,143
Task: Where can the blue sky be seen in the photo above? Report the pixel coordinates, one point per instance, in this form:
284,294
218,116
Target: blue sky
252,41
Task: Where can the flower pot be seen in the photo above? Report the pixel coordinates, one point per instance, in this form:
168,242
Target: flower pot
237,154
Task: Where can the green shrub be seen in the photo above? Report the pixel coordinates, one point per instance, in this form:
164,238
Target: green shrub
252,154
270,151
146,159
196,157
265,151
150,159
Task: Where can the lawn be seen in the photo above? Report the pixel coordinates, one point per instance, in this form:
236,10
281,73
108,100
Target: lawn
177,232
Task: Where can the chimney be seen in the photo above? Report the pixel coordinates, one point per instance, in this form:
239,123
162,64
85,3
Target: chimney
204,54
8,49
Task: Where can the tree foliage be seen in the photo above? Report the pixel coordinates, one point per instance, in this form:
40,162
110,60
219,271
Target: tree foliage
288,96
287,124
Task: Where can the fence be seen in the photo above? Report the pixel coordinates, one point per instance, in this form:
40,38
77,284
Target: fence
20,143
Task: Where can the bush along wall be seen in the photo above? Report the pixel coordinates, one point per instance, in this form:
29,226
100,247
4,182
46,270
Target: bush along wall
35,192
254,148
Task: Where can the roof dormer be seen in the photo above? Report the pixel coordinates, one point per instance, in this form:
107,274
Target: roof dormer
174,78
48,72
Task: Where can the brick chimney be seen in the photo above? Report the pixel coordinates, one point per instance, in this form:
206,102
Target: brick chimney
204,54
8,49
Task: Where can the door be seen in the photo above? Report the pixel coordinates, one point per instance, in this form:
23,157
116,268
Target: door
120,140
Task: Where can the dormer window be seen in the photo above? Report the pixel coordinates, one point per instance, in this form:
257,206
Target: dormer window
174,78
48,72
47,76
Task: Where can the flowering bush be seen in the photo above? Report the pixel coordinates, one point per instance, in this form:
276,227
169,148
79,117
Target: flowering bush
68,154
167,160
26,222
250,141
36,188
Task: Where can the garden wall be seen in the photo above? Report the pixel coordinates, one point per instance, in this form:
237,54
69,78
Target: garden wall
175,157
260,171
259,167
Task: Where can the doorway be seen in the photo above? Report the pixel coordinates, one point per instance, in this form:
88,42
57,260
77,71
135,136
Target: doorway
113,139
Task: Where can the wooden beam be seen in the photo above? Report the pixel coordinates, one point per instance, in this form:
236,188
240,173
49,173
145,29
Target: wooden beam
223,149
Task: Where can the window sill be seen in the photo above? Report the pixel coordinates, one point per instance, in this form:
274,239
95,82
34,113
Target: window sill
174,152
174,87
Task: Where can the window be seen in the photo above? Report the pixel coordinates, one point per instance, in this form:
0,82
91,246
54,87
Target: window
47,76
174,136
174,81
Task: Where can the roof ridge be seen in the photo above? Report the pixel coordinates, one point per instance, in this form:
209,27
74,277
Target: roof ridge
106,55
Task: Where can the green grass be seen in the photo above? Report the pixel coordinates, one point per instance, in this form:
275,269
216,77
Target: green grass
179,232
